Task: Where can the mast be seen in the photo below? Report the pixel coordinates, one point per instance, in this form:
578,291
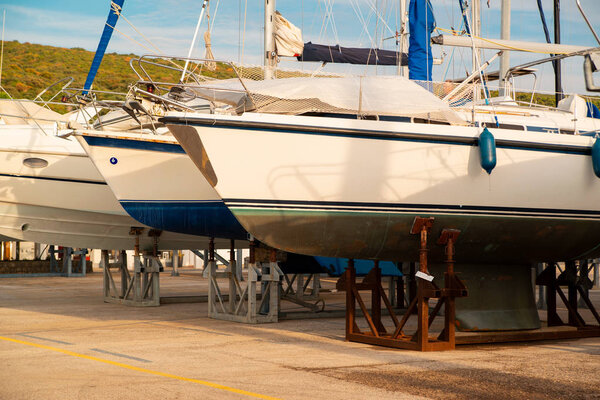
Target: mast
557,69
187,60
476,29
270,54
475,33
402,69
505,58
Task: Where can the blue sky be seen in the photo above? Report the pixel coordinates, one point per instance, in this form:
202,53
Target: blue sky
169,24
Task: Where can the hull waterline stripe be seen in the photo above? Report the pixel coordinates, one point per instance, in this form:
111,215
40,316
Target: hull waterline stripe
46,178
119,143
380,135
413,208
216,202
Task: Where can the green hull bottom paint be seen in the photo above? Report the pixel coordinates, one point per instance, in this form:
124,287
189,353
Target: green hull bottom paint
386,236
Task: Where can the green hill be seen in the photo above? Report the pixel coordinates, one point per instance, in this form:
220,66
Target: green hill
29,68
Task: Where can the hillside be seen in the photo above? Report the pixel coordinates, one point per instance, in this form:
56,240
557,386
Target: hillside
29,68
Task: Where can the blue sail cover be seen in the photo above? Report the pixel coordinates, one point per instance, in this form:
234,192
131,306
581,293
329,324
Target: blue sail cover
421,24
350,55
111,21
463,8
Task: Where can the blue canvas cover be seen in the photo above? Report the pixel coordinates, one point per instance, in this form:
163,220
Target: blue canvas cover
592,110
111,21
350,55
421,24
337,266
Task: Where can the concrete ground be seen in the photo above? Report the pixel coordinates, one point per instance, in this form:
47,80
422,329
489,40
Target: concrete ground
58,340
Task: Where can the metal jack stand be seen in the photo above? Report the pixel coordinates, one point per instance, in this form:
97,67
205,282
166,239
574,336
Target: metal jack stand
426,289
306,292
575,285
140,289
111,294
67,261
242,304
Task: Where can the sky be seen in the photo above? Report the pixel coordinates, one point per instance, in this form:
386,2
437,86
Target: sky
169,26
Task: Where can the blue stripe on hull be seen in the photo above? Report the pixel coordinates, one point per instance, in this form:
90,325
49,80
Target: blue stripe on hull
121,143
210,218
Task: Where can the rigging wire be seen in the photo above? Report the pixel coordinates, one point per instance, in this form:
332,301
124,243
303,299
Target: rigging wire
117,10
361,19
379,16
239,30
329,21
131,39
482,78
214,17
244,31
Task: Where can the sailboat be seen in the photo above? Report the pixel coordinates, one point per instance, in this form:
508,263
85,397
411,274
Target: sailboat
51,191
321,184
157,183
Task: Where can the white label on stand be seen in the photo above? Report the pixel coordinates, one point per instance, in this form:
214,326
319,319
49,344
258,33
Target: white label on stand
423,275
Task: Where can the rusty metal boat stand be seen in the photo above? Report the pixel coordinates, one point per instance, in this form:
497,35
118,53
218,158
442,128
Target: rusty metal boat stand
576,285
426,290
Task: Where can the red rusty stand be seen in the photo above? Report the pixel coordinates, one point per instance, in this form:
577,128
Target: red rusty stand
426,290
575,285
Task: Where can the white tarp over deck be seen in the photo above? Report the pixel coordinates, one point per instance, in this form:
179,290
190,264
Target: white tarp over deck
370,95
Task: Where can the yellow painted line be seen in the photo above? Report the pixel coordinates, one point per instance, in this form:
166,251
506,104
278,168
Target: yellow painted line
147,371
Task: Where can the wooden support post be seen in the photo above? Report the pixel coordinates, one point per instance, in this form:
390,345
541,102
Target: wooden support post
451,285
552,315
571,270
350,301
400,293
376,298
596,274
412,282
584,284
422,226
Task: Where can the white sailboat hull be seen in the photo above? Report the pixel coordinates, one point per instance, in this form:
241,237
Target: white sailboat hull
158,185
50,192
352,188
73,228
